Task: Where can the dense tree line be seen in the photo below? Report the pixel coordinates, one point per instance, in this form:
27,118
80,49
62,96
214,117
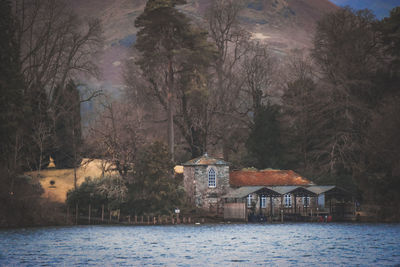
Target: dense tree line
328,113
325,125
336,108
44,48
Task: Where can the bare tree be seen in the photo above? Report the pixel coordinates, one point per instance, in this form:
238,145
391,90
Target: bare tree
258,72
231,41
55,45
42,134
116,136
299,111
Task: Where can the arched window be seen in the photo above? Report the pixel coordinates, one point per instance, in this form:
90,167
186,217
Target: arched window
212,181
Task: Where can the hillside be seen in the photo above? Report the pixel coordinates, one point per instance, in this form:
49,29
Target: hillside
283,24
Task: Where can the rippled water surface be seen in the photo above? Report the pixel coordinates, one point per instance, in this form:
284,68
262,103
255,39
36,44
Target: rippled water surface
203,245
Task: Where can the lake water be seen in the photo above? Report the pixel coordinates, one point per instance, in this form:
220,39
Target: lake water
203,245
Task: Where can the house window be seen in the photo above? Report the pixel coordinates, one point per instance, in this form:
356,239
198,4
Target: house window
288,200
306,201
249,201
263,202
212,182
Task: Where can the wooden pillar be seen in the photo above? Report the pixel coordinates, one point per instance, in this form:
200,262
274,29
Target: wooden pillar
148,219
259,198
295,204
270,206
109,211
102,213
306,205
135,219
129,219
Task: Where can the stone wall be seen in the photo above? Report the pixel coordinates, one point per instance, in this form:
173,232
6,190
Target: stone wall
189,183
196,185
206,196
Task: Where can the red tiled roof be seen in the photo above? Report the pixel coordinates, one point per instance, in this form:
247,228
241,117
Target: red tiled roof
267,177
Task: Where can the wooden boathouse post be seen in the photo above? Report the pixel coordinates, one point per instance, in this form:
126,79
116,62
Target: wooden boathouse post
270,207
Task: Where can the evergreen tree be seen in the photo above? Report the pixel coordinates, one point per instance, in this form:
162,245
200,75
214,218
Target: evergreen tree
153,189
174,58
263,144
11,92
67,132
298,113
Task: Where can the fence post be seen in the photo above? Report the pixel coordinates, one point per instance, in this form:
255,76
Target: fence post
66,221
90,207
76,213
102,213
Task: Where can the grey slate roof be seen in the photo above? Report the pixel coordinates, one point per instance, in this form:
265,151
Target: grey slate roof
205,160
319,189
243,191
313,190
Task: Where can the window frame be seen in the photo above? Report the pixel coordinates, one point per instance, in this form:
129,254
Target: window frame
263,202
249,200
212,178
306,201
287,198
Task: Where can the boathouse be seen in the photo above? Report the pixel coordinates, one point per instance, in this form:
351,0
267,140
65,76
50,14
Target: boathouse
273,194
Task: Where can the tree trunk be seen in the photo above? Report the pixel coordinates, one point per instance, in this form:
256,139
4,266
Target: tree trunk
171,137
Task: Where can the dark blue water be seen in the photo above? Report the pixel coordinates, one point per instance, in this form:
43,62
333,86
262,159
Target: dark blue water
203,245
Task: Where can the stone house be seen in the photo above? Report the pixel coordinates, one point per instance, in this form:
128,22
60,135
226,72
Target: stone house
210,185
206,179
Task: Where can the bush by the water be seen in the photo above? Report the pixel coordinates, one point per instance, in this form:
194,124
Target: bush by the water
21,204
151,189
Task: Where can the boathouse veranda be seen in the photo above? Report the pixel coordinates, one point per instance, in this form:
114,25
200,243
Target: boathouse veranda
294,203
